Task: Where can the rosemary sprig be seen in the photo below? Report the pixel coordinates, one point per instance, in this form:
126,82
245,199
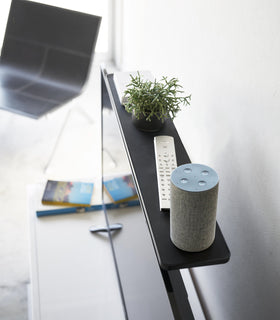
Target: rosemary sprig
162,99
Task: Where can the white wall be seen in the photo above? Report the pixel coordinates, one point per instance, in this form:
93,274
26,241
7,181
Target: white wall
226,53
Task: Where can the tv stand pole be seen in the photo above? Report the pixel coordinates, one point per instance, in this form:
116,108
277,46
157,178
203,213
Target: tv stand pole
140,153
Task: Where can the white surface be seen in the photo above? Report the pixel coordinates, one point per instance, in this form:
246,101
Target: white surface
72,271
226,54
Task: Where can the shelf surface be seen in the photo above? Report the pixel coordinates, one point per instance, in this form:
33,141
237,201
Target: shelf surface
140,151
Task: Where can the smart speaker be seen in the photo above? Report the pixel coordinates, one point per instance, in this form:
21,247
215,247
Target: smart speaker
193,206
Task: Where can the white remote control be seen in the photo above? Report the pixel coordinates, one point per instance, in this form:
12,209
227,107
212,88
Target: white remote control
165,163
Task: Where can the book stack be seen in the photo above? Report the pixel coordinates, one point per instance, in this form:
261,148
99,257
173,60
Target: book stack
121,189
61,197
68,193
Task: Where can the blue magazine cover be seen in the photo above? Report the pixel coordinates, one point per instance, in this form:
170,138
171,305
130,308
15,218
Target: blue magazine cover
121,188
68,193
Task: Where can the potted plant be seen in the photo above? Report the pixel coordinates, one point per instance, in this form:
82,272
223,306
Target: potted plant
152,102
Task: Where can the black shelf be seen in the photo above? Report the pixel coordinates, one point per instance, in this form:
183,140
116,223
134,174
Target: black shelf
140,151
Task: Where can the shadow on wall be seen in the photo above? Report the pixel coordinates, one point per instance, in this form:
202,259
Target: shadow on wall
248,215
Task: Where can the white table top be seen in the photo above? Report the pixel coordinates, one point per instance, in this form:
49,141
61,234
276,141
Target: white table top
73,274
72,271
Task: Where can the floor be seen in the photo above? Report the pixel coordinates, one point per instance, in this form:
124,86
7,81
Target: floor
57,146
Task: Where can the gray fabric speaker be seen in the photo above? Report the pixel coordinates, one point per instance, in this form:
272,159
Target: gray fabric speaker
193,206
